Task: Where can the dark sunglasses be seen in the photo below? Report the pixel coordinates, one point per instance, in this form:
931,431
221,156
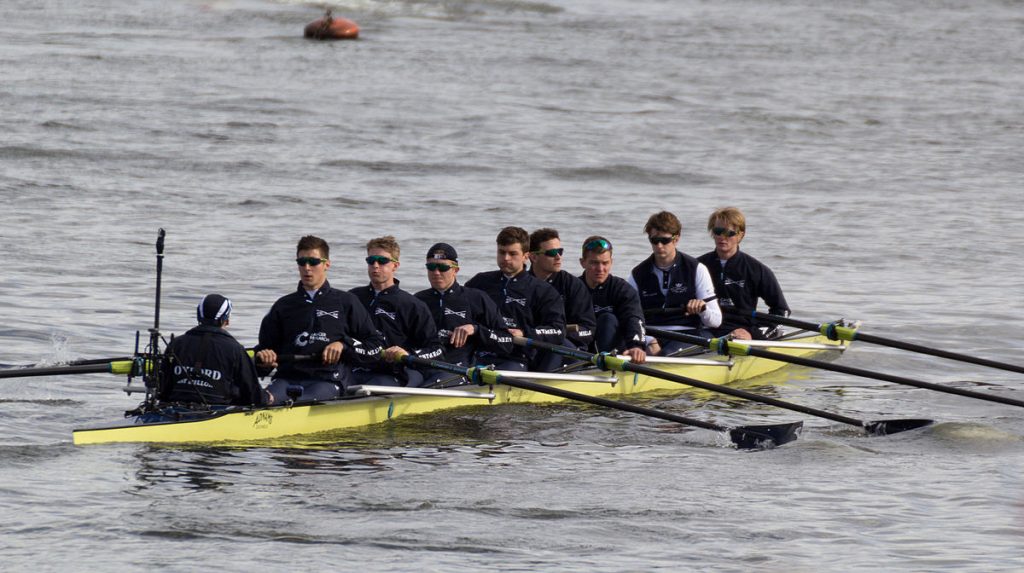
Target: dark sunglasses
719,231
441,267
311,261
551,252
379,259
597,244
661,240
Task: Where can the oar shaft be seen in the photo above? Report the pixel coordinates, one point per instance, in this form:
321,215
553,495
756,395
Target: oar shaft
598,401
654,372
884,377
854,334
119,366
568,395
56,370
646,370
740,349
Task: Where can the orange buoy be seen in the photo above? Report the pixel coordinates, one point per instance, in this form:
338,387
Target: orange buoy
331,28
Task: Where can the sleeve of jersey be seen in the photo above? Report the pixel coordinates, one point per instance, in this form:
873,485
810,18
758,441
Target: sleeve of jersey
550,313
270,332
771,292
581,314
426,333
712,315
362,341
490,326
631,316
247,380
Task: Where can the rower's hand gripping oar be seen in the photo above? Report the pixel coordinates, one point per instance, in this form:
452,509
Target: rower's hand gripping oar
839,332
737,348
746,437
609,362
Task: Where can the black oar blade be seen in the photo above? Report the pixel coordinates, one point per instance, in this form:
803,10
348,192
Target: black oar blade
886,427
765,436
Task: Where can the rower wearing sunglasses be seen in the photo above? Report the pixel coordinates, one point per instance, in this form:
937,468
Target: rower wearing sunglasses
529,306
315,319
403,321
467,319
739,278
676,291
546,264
620,318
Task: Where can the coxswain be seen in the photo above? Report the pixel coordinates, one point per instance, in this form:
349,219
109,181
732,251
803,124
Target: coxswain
620,318
740,279
316,319
529,306
403,321
206,365
676,291
467,319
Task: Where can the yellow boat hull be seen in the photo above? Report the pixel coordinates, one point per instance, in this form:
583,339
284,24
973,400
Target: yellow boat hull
274,423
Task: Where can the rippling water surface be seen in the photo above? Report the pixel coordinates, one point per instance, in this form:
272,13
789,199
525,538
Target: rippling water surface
874,146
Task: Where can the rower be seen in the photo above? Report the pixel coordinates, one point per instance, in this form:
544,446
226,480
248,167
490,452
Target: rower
315,319
403,321
620,318
676,291
530,306
467,319
740,279
546,264
206,365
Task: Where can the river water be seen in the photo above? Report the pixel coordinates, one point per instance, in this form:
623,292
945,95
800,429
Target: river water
874,146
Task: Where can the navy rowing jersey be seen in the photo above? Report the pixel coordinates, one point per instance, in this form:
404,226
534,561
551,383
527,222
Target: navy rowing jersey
460,305
302,324
738,284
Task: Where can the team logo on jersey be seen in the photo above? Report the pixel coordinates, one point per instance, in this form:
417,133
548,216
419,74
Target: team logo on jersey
740,283
600,309
307,338
511,299
391,315
444,334
330,313
677,288
460,314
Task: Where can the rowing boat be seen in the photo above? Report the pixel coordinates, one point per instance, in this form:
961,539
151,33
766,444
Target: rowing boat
265,424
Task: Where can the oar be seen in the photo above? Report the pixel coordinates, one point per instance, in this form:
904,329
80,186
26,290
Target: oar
79,362
737,348
117,367
747,437
113,367
609,362
838,332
